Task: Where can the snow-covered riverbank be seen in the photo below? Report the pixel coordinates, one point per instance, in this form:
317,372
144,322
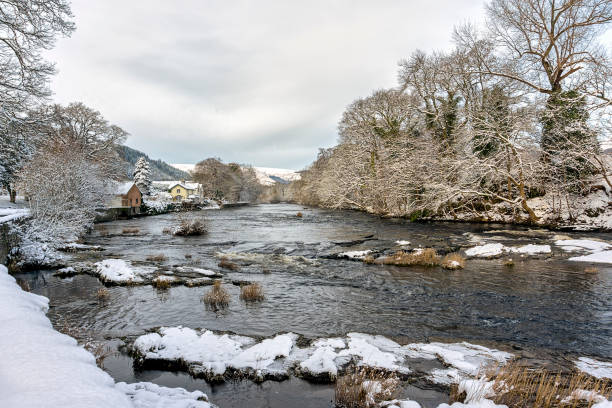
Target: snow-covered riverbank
44,368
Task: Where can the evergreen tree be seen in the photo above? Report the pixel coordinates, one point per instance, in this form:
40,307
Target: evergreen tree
142,176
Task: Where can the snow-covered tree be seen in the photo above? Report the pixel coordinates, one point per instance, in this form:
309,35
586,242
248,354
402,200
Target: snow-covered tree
63,190
142,176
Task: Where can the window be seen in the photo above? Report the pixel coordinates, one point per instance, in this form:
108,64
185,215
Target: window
178,191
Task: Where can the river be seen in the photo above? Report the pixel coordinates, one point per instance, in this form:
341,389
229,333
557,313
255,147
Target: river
546,305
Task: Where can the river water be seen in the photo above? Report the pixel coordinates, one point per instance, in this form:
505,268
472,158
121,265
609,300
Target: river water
547,303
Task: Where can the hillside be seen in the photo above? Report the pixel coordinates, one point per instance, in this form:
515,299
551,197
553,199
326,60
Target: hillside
160,170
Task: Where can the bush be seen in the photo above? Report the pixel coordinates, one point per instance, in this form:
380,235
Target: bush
453,261
365,387
190,227
161,282
422,257
102,294
157,258
217,296
251,293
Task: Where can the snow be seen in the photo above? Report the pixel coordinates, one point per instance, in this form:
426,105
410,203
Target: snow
599,257
584,395
465,357
599,369
485,250
402,242
400,404
11,214
531,249
44,368
354,254
149,395
495,249
123,188
582,244
201,271
120,271
187,167
213,354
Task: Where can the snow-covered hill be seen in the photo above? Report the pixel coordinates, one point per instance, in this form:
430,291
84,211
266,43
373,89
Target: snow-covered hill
265,175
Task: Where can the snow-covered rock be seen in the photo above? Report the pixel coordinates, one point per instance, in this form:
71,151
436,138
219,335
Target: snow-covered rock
600,252
149,395
486,250
215,355
599,369
120,272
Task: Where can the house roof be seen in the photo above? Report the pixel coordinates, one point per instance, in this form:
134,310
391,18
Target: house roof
186,186
123,188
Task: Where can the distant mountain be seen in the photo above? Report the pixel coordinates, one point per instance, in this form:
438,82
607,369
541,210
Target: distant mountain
265,175
160,170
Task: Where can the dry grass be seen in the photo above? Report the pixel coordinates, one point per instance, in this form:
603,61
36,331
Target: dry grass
591,269
423,257
130,230
190,227
299,215
453,261
102,294
157,258
509,263
251,293
217,296
365,387
160,283
521,387
227,264
24,285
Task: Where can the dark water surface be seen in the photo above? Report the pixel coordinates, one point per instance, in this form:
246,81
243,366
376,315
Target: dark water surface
547,303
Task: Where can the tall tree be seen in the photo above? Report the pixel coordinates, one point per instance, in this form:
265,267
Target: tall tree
142,176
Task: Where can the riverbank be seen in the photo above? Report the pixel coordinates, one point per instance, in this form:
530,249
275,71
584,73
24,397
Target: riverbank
44,368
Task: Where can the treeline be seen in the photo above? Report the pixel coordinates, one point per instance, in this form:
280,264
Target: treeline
516,110
230,182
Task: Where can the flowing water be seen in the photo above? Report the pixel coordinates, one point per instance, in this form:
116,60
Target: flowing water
544,303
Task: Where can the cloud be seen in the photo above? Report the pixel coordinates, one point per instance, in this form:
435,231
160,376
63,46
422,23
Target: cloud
261,82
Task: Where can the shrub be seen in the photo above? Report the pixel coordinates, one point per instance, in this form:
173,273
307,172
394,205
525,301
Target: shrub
190,227
217,296
225,263
130,230
102,294
157,258
365,387
522,387
422,257
161,282
453,261
251,293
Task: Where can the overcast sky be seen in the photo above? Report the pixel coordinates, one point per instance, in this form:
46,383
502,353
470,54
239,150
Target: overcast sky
258,82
